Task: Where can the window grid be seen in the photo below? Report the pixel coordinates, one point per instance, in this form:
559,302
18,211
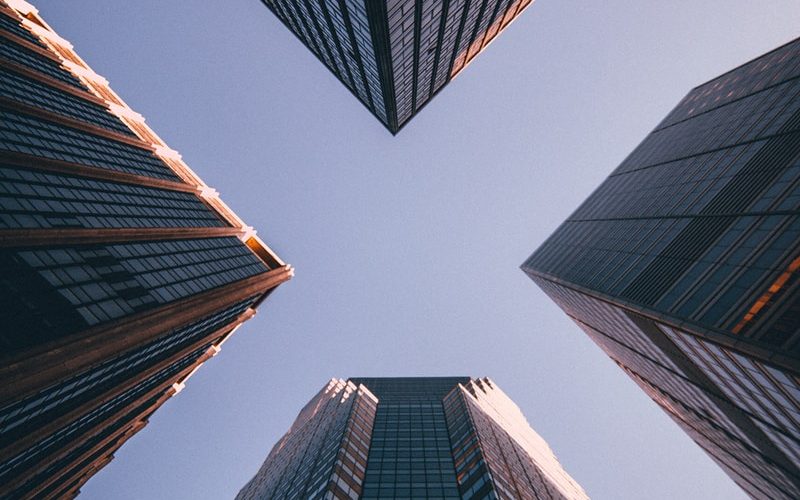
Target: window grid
111,281
102,412
36,62
32,92
76,390
35,199
12,26
33,136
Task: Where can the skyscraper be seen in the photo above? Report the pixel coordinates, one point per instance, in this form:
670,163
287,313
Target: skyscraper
394,56
446,437
683,267
121,272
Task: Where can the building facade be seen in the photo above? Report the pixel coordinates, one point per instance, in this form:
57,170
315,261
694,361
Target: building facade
394,56
121,272
683,267
435,438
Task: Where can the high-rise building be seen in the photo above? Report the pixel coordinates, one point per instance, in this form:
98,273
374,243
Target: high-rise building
435,438
683,266
120,270
395,55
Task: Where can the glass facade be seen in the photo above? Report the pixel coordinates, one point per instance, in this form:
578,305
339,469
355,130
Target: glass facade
17,54
435,438
410,454
497,453
31,135
682,266
100,283
394,56
30,92
60,439
36,199
121,272
10,25
324,454
21,417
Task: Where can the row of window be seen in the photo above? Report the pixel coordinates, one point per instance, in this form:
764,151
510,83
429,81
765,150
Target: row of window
626,343
338,39
33,136
472,473
719,293
111,281
692,404
17,417
302,465
770,69
35,199
11,25
510,464
746,466
20,55
309,27
676,188
309,21
756,116
366,55
91,450
700,267
348,475
88,420
399,455
29,91
766,393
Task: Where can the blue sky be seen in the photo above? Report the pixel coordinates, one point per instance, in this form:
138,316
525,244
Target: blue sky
407,248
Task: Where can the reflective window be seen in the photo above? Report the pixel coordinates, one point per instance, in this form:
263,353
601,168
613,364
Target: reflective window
33,136
35,199
16,419
32,92
36,62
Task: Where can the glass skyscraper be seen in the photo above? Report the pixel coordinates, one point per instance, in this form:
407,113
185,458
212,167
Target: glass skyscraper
683,266
435,438
394,56
121,271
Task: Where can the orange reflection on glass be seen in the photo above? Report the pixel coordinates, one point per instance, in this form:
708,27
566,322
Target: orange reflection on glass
483,40
771,291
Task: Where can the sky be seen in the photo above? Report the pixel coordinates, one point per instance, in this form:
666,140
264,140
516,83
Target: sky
407,248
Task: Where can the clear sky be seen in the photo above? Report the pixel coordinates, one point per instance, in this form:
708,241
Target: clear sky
407,248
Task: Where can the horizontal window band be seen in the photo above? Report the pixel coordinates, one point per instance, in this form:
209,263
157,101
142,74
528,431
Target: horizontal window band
42,432
84,236
35,369
29,46
119,414
70,168
50,81
67,121
11,17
